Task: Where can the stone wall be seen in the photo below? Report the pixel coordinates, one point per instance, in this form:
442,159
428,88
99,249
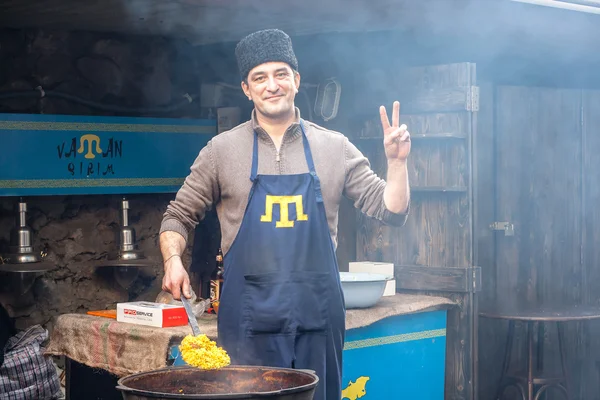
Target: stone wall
106,69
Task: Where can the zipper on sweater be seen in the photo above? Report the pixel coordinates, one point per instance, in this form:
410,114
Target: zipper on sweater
278,157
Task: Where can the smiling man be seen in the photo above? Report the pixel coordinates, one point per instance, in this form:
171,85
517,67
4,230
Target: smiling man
277,182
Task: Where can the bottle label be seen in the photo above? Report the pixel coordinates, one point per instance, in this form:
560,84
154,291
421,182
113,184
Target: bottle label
215,288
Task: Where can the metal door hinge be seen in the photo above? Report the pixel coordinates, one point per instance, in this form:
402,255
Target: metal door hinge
472,99
507,227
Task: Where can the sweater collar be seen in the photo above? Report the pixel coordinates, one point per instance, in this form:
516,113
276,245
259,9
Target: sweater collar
291,133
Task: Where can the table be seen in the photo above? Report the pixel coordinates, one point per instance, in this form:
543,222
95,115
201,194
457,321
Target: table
410,327
532,386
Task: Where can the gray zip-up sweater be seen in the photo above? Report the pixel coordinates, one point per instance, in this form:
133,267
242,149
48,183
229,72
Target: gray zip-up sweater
220,176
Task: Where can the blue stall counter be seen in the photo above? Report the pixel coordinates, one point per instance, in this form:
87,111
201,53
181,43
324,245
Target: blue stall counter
399,357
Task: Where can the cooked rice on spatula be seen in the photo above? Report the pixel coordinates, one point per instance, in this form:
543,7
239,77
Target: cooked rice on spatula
199,351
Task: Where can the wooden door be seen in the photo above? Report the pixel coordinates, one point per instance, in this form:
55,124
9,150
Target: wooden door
438,104
538,167
538,261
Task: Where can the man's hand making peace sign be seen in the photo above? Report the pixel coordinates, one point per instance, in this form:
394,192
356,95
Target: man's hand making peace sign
396,139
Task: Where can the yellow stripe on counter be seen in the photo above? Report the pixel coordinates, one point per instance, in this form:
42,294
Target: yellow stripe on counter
405,337
104,127
74,183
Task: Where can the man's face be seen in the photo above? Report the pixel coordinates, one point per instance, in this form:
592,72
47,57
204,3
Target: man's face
272,87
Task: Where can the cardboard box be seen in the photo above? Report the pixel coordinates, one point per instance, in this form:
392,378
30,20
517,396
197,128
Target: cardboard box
372,267
152,314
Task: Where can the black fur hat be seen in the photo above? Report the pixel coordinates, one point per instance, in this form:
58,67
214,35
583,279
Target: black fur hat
264,46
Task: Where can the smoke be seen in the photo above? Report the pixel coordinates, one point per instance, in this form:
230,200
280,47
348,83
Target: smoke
342,35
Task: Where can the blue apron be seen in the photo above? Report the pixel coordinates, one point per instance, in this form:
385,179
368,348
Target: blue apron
282,303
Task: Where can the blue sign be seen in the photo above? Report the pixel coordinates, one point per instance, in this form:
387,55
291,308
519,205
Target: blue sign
56,154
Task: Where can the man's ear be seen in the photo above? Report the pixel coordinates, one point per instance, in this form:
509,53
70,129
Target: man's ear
246,90
297,80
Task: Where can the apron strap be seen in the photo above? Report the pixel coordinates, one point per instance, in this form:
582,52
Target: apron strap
307,155
311,165
254,171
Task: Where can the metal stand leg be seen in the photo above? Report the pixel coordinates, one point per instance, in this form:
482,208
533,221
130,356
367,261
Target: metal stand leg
530,360
563,358
507,357
527,385
562,383
540,353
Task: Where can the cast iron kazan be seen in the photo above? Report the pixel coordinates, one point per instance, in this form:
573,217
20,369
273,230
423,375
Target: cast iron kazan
233,382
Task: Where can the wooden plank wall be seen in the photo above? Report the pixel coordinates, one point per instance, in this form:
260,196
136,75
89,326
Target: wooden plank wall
435,106
438,231
548,186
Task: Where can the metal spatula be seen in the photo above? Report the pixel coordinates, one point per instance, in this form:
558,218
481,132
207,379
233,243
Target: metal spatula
191,317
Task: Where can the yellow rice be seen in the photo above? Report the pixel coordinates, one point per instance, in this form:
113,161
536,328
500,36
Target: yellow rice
200,351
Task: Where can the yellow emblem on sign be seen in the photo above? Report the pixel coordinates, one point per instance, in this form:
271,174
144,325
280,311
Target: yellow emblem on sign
284,214
356,390
90,140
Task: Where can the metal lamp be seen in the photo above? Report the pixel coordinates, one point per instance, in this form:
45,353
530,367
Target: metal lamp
128,259
22,263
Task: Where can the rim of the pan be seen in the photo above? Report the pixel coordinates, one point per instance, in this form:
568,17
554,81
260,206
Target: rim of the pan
124,387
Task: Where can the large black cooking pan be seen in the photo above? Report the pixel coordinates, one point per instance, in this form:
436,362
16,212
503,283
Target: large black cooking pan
233,382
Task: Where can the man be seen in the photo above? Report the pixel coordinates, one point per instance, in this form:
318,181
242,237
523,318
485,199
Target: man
276,182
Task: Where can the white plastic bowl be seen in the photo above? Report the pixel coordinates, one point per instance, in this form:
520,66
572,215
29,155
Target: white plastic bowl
362,289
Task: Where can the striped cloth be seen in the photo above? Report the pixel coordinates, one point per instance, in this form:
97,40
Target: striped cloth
26,374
